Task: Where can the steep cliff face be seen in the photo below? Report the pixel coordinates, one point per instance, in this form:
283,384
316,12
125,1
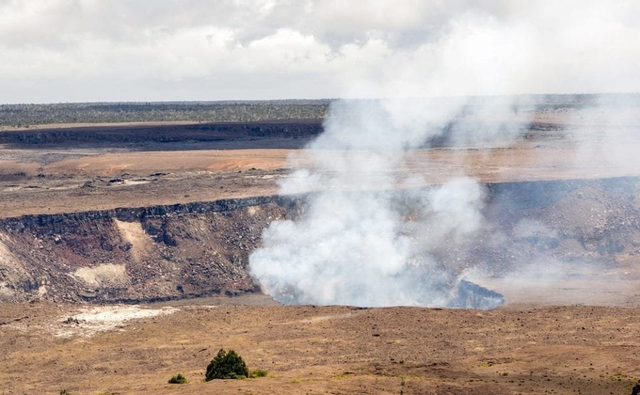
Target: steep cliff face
134,254
195,249
572,222
211,132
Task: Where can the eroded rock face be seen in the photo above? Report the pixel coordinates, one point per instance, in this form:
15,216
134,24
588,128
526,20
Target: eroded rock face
149,253
206,132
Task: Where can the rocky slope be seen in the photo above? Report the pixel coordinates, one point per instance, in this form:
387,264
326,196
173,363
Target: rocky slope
163,133
185,250
148,253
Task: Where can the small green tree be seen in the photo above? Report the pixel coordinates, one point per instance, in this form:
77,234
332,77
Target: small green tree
226,365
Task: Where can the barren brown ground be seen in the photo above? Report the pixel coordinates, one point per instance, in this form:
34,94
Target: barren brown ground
339,350
34,181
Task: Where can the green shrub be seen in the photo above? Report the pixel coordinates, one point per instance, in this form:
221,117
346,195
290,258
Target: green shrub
65,392
226,365
257,373
178,379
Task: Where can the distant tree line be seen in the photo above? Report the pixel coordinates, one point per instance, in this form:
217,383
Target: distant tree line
22,115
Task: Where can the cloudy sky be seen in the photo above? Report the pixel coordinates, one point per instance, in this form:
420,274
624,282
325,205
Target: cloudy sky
148,50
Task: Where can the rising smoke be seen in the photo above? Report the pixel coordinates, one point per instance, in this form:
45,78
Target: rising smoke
364,237
364,241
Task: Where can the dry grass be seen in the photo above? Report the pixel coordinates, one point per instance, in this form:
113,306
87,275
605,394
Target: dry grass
330,350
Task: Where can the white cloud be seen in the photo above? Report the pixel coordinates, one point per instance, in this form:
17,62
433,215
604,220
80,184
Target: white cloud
69,50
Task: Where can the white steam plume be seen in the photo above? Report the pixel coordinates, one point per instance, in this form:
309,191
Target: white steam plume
358,243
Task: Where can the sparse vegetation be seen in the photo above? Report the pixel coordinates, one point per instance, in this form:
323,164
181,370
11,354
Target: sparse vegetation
254,373
226,365
178,379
